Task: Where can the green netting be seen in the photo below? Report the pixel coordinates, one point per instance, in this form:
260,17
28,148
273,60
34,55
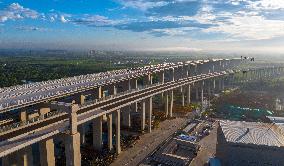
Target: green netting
240,113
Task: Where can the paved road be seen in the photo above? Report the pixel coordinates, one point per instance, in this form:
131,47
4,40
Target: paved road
148,143
207,149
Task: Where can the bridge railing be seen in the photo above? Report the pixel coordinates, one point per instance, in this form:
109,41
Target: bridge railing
32,120
118,94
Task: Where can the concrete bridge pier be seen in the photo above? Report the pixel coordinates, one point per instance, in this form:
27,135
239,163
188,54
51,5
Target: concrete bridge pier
126,111
72,139
182,96
186,70
112,89
196,92
209,90
23,115
82,132
166,103
191,71
79,99
214,83
72,149
46,151
161,78
258,74
98,93
143,116
10,160
179,73
188,97
126,116
134,85
172,74
117,132
149,112
46,147
148,80
221,84
202,95
97,133
171,103
109,131
23,157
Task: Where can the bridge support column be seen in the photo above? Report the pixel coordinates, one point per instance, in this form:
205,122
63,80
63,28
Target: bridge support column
23,116
202,97
46,150
134,86
80,99
82,133
117,132
223,83
148,80
72,149
10,160
23,157
143,107
72,140
209,90
162,77
172,74
188,95
220,84
109,132
196,93
149,111
166,103
98,93
97,133
171,104
112,90
182,96
134,107
126,116
162,81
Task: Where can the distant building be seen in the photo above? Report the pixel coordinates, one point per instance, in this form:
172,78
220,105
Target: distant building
249,143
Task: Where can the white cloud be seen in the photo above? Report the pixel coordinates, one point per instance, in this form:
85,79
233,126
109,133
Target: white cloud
32,28
267,4
249,27
16,11
205,15
94,20
142,4
63,19
172,31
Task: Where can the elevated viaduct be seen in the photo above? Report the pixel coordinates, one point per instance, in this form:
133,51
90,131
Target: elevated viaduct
37,113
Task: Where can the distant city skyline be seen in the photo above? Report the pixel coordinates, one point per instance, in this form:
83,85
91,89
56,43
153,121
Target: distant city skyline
240,26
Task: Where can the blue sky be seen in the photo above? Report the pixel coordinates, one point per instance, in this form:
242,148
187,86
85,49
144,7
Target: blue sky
248,26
